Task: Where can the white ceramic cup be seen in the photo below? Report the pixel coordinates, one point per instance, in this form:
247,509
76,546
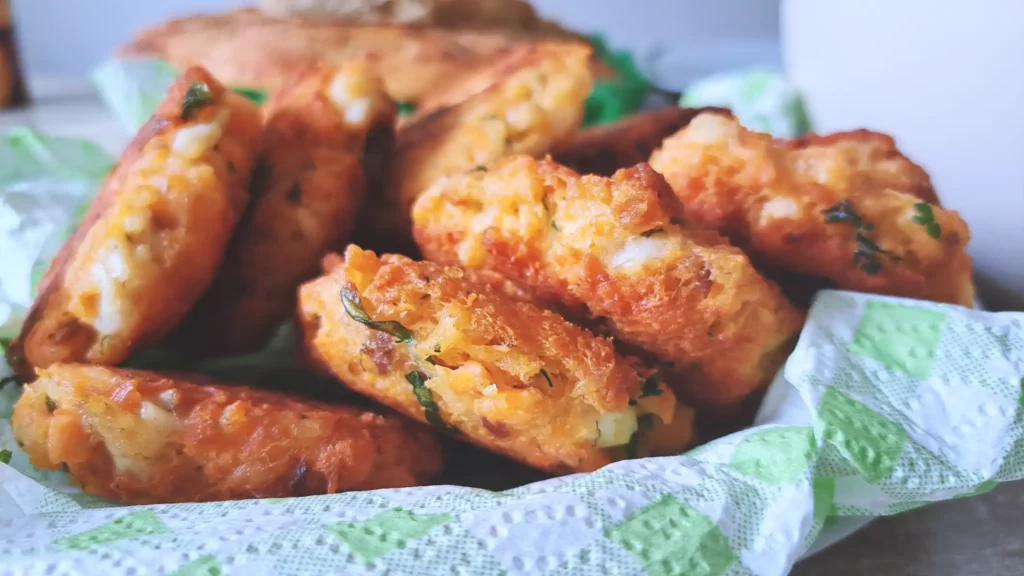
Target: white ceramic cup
946,79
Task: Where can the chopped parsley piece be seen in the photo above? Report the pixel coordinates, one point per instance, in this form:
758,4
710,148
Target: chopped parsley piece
924,216
479,169
650,233
350,300
426,399
544,373
555,226
632,401
50,404
866,254
842,211
5,456
406,108
294,194
676,221
650,387
197,96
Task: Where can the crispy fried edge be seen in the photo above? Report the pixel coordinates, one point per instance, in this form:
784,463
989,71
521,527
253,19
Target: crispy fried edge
165,118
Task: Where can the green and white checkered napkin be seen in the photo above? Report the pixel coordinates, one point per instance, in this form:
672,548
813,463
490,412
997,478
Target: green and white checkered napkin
886,405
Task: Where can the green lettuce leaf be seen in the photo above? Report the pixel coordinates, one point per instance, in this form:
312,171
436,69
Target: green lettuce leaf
46,183
613,98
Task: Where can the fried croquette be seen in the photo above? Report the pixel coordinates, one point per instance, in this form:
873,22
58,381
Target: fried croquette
857,160
616,251
535,103
798,214
153,239
500,373
513,14
142,438
322,136
251,49
603,150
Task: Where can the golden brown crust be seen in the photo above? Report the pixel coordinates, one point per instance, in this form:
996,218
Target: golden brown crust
771,199
603,150
459,88
509,14
615,250
535,103
858,159
142,438
250,48
321,134
153,238
508,376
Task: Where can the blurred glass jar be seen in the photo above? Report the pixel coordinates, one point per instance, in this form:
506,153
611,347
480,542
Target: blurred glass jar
12,85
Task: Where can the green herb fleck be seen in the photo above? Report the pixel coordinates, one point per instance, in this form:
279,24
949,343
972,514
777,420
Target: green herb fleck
650,233
866,254
479,169
544,373
676,221
842,211
5,456
650,387
197,96
350,300
50,404
406,108
924,216
632,401
426,399
294,194
555,226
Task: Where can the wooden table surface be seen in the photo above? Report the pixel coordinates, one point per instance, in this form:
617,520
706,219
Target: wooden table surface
981,536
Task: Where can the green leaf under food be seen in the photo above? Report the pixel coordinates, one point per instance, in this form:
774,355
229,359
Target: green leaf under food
426,399
133,87
612,98
350,300
255,94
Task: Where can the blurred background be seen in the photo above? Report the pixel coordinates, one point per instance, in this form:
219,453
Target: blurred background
686,37
941,76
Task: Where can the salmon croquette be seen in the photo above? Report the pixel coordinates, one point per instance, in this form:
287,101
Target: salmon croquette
535,101
325,140
153,239
142,438
797,208
617,252
492,370
605,149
